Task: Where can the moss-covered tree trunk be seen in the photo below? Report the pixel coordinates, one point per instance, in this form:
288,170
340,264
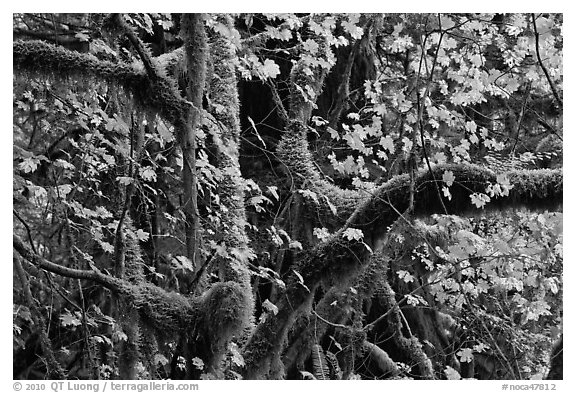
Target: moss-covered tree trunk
196,51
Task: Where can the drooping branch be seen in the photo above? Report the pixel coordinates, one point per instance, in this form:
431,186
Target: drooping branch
544,69
217,316
159,95
93,275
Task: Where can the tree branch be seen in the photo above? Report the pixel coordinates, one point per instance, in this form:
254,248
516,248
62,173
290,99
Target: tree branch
160,96
552,86
105,280
137,43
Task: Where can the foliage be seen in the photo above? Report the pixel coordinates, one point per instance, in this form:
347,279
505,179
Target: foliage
310,196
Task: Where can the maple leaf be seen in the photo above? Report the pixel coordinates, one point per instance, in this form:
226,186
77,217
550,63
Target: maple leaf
148,174
301,280
124,180
465,355
164,132
160,359
69,320
142,235
274,191
295,245
405,276
308,194
452,374
448,178
29,165
479,200
270,69
446,193
321,233
310,46
351,28
198,363
353,234
387,143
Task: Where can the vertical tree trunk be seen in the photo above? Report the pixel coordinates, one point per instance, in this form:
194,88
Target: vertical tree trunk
195,46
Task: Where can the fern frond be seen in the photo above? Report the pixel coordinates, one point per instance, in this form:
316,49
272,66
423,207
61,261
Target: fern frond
319,363
335,370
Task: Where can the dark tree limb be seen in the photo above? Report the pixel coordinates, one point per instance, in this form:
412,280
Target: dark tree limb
160,95
42,263
541,63
343,91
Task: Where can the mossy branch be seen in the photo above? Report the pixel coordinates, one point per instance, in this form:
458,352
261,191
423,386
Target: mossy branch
137,43
337,259
159,95
106,281
218,314
534,189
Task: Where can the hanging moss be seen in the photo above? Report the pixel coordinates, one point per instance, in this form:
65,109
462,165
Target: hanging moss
129,350
336,305
410,347
149,350
158,95
226,311
225,108
381,358
128,316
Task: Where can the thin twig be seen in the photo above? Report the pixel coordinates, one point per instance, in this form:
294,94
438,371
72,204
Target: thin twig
328,322
28,231
278,101
552,86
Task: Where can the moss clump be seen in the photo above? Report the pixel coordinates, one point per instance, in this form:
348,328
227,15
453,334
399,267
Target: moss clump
226,311
224,314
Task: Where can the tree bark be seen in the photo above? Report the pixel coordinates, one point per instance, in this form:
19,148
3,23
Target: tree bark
196,49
